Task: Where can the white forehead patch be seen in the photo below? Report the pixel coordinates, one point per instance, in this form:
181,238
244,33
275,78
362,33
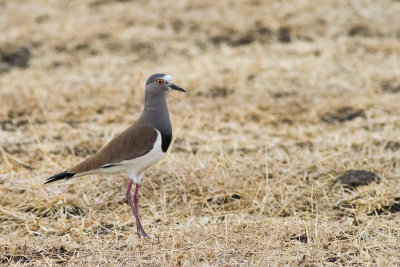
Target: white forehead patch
168,78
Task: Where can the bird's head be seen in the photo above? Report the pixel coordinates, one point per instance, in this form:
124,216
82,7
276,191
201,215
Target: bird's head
161,83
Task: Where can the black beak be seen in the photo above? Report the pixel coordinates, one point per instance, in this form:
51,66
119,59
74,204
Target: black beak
176,87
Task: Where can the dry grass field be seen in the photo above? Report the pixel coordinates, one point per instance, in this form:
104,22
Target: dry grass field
283,98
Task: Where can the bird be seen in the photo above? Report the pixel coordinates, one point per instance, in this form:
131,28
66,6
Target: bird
136,148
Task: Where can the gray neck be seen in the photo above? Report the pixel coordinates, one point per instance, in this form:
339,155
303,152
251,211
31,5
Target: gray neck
156,112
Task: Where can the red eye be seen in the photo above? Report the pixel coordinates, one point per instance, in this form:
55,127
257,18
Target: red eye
160,81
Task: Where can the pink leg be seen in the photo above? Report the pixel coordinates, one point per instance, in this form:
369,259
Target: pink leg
134,207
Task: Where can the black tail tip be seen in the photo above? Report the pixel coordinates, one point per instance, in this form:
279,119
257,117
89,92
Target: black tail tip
59,176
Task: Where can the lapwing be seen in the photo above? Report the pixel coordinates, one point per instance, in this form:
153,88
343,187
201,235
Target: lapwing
136,148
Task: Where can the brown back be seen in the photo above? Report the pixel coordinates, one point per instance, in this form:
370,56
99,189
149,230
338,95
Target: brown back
132,143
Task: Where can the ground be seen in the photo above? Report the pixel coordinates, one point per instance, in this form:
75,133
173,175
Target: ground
283,97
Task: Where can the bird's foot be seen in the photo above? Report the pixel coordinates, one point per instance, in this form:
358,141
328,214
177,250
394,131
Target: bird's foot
141,233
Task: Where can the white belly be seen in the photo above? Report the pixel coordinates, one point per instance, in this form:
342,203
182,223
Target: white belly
136,166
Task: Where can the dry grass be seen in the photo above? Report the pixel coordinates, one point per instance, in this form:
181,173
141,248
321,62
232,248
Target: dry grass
260,138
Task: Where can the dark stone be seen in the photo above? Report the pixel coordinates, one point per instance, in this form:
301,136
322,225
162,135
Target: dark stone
392,145
284,34
356,178
359,30
236,196
343,114
15,56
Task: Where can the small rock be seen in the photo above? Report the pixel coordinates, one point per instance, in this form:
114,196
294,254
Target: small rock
343,114
359,30
284,34
236,196
356,178
392,145
15,56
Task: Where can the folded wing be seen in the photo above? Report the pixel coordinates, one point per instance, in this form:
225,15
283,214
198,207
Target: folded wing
132,143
